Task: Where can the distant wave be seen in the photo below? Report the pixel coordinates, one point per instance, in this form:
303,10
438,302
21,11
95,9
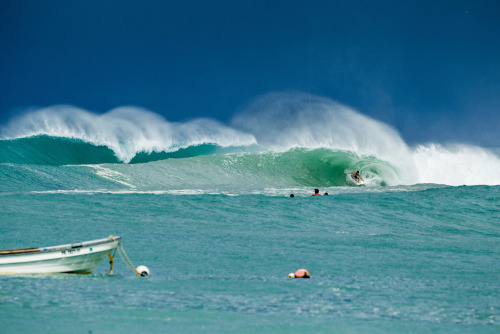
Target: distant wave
127,131
46,150
295,136
56,151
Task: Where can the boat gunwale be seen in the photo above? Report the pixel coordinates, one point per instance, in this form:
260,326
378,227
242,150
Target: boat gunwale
21,251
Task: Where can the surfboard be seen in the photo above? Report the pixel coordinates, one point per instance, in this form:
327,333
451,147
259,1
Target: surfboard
357,181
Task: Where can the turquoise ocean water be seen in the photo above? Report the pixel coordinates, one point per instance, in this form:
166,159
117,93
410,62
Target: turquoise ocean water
208,211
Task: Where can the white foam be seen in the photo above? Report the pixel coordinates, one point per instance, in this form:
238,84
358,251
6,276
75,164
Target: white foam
112,175
456,165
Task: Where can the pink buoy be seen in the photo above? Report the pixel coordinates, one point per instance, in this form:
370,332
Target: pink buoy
302,273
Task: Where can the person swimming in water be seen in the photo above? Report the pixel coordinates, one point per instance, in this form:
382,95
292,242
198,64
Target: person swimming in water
316,192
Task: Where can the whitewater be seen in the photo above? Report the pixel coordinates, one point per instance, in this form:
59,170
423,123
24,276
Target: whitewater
206,206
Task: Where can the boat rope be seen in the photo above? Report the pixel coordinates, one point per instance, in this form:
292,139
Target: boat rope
110,264
123,255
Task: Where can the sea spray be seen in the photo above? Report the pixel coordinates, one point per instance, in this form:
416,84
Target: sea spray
282,121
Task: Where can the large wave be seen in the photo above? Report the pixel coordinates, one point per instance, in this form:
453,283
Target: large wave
299,139
211,173
127,131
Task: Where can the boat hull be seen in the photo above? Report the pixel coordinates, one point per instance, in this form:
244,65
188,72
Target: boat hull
81,258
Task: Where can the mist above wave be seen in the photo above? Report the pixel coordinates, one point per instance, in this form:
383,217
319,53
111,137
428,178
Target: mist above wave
281,121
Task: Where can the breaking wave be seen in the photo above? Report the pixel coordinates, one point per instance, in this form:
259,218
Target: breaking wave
126,131
280,139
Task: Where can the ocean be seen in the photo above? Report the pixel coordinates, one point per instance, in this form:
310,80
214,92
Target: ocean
207,207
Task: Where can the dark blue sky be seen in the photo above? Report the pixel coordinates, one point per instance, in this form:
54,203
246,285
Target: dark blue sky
429,68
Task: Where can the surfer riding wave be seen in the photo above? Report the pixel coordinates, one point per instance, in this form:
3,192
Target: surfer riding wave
355,175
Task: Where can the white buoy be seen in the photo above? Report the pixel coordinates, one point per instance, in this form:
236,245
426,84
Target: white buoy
143,271
291,275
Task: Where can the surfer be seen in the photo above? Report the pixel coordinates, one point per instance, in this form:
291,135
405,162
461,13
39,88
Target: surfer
356,176
316,192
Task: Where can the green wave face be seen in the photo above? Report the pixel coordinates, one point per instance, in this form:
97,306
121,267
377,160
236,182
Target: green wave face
303,167
57,151
293,168
198,170
53,151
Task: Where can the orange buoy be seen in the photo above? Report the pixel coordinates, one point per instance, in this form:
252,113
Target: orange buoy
302,273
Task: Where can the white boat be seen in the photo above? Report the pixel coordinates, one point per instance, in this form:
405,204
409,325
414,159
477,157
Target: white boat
77,258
